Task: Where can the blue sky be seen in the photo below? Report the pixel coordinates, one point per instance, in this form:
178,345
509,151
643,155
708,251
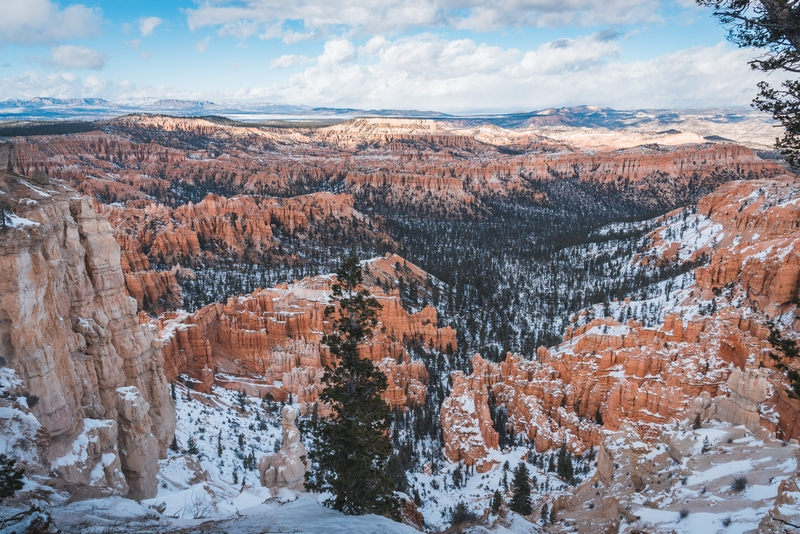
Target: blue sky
447,55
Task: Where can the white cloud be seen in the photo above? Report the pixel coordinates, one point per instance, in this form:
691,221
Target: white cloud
428,72
268,18
32,22
147,25
76,57
69,85
134,43
288,60
337,52
202,46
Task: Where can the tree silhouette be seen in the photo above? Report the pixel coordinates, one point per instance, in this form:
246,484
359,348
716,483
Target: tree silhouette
349,451
774,26
10,478
786,351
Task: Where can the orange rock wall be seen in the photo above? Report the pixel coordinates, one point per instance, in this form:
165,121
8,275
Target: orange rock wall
652,376
275,335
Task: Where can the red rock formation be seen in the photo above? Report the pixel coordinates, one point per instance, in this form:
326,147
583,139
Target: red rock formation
154,291
759,245
241,228
405,163
275,335
73,337
716,365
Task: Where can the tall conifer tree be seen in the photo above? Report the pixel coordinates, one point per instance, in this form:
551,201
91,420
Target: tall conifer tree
521,498
349,451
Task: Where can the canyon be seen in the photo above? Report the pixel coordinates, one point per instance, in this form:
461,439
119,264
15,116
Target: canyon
712,365
167,280
274,335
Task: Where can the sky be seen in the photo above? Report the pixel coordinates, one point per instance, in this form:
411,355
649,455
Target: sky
464,56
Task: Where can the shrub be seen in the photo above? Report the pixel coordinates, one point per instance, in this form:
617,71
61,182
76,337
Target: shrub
497,501
726,521
697,424
10,478
32,399
683,514
739,484
462,514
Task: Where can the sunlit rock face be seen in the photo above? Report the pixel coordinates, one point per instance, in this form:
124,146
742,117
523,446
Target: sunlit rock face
72,336
273,336
713,364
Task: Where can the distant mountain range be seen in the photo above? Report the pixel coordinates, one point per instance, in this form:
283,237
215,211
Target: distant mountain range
97,108
743,124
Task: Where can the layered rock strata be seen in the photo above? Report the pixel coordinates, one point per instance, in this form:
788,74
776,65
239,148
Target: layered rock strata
711,365
274,336
72,335
417,165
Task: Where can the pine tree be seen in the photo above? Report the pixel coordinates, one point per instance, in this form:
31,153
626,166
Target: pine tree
787,350
521,498
497,502
458,478
350,450
10,478
564,467
545,514
241,398
4,217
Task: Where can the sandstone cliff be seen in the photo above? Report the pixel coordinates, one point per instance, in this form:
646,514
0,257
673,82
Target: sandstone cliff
274,337
416,166
72,336
241,228
694,363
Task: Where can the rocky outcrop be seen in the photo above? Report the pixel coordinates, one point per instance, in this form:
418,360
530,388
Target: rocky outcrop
418,166
242,228
73,337
621,372
713,365
286,468
137,444
156,291
275,334
748,390
466,421
758,245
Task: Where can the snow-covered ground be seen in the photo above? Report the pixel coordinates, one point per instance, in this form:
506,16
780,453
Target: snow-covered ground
685,482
